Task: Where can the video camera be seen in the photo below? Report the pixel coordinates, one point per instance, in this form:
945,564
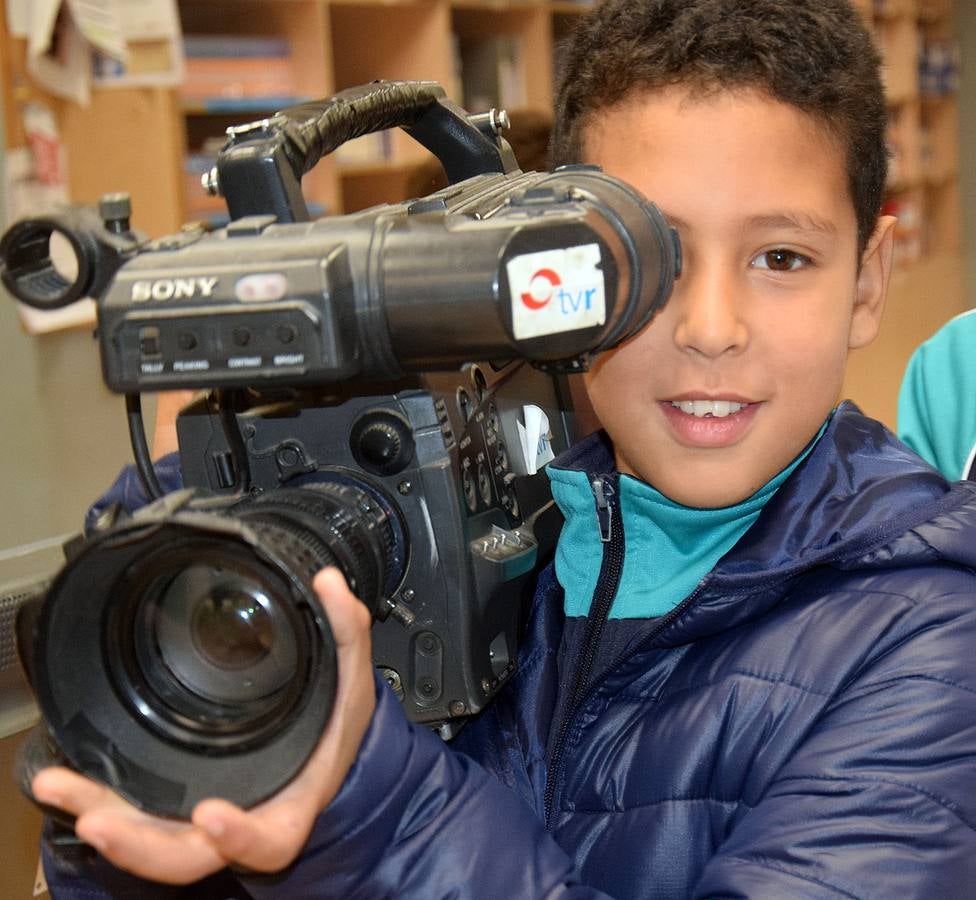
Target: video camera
370,407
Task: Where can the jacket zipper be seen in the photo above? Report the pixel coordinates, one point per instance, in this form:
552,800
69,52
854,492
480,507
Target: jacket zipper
582,694
610,522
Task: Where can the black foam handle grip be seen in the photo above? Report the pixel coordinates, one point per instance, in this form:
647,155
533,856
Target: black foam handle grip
314,129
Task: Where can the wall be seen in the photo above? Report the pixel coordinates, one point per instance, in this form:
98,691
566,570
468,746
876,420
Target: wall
64,434
62,439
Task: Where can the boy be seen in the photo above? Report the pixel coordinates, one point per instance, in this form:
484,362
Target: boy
751,672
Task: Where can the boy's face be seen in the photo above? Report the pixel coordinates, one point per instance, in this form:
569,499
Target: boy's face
738,372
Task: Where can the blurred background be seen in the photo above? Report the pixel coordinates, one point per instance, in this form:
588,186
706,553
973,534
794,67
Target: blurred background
136,96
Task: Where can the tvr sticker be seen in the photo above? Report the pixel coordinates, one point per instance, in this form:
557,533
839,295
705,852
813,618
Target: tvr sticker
556,290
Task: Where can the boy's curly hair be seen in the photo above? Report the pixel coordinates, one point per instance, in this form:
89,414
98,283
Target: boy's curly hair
816,55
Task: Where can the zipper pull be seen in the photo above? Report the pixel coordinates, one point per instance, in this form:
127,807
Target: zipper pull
603,494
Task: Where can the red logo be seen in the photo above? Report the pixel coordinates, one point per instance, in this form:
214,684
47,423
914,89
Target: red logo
541,286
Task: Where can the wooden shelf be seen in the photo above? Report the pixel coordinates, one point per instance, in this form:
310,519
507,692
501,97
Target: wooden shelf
238,106
920,299
887,10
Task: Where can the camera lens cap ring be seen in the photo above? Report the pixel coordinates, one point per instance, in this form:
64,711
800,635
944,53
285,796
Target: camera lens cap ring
30,273
88,715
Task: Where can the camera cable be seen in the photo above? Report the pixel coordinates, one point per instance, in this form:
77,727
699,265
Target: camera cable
235,441
140,448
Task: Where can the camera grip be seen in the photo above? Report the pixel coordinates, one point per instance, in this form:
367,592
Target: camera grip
313,130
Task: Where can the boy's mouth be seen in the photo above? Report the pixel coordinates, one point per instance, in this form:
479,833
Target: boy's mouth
701,409
710,423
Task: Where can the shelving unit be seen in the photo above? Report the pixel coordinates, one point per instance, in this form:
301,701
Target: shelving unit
140,140
341,43
927,289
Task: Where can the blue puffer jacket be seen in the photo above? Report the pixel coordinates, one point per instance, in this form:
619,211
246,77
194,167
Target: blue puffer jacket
803,725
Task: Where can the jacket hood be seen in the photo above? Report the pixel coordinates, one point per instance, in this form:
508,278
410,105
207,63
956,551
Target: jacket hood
860,500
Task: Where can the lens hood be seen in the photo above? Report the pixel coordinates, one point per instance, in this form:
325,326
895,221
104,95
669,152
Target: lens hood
166,731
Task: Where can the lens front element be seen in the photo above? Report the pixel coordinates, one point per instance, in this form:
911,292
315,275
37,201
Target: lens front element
222,636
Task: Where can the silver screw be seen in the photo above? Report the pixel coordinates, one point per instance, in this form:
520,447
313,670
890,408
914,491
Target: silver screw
209,182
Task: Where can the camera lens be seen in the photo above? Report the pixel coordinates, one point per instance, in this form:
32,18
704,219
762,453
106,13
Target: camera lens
232,629
183,655
208,647
221,636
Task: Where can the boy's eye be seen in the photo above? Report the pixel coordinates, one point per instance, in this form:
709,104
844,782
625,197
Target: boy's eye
780,260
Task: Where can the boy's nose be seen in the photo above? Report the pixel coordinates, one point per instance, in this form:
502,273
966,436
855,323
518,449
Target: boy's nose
710,320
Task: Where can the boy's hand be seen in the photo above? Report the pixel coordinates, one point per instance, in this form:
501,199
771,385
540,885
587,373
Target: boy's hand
168,406
265,838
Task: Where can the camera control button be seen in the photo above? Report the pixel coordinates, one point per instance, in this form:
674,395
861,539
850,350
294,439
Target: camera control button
381,442
286,333
187,340
428,667
241,337
431,204
149,341
541,195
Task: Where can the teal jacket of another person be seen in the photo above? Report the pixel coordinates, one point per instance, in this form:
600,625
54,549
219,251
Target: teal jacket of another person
937,401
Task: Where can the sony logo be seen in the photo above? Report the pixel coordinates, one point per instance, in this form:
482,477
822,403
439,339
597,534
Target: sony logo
173,288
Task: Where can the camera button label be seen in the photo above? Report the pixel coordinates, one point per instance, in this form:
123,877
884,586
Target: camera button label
244,362
556,290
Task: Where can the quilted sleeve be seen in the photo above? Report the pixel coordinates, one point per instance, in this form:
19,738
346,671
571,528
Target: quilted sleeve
415,819
127,490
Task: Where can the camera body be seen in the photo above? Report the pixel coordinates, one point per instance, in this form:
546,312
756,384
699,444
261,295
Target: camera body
474,518
501,266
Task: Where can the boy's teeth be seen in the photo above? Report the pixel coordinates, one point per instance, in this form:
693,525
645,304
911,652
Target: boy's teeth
700,408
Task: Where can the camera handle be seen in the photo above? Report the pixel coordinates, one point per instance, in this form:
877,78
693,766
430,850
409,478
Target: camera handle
259,170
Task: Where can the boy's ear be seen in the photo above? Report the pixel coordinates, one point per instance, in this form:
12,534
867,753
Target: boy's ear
872,284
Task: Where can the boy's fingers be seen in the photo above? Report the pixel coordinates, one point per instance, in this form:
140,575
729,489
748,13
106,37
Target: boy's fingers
348,617
74,793
265,840
269,836
160,849
169,852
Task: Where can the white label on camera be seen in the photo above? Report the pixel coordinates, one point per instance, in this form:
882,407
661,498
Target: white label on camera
190,365
244,362
289,359
557,290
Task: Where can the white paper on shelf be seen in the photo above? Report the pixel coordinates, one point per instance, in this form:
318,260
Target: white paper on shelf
535,438
100,25
148,20
18,18
66,73
143,25
41,18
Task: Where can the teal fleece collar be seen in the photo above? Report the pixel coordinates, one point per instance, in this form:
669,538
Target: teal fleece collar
669,548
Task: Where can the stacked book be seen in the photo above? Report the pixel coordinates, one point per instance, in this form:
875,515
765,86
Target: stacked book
238,73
